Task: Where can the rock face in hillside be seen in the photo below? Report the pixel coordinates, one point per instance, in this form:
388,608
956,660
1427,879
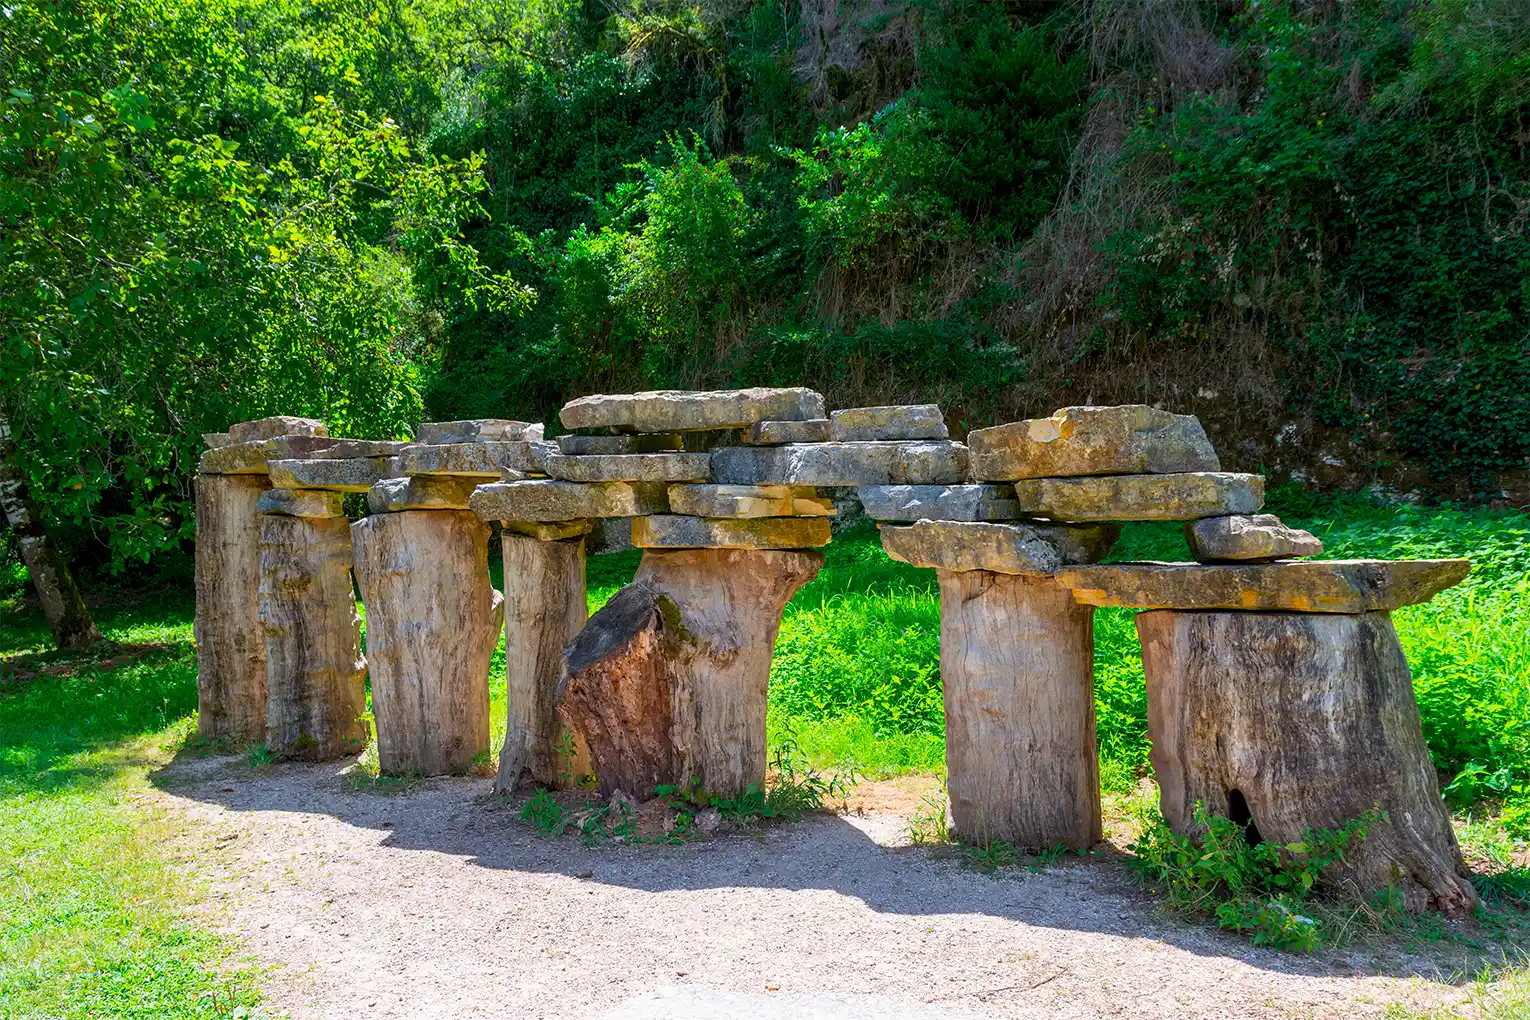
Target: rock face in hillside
939,502
1132,439
1141,497
1254,537
540,500
632,467
667,531
1000,548
906,421
685,410
1308,586
477,430
933,462
1348,741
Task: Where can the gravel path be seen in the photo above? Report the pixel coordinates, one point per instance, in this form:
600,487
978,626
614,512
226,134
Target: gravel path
438,902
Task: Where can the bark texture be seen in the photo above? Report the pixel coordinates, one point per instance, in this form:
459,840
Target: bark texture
545,609
231,645
433,620
668,686
1311,720
62,606
1017,665
315,672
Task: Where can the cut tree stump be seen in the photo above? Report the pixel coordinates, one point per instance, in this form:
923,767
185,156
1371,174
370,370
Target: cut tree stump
667,683
315,672
433,620
231,646
545,609
1017,666
1296,721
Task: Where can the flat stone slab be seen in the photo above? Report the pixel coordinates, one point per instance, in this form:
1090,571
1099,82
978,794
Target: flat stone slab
1131,439
355,475
686,410
278,425
548,500
1184,497
939,502
586,446
477,430
1306,586
899,421
930,462
301,503
668,531
775,433
1001,548
494,460
342,449
216,440
1248,537
420,492
549,531
748,501
632,467
254,457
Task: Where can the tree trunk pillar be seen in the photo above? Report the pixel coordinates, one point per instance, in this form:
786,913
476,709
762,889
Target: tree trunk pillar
432,623
545,608
1017,668
231,644
1298,721
315,672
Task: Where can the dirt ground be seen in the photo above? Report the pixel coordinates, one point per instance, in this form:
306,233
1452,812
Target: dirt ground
438,901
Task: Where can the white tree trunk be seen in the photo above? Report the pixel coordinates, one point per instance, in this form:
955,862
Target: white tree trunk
432,623
1017,666
231,645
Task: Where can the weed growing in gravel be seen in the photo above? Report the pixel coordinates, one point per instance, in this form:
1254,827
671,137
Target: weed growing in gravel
990,855
930,824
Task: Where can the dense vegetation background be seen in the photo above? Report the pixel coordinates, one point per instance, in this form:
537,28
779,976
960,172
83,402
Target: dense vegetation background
1304,220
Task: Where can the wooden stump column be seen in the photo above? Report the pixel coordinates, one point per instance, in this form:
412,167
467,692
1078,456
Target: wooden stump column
668,682
545,609
432,623
315,672
1296,721
1017,666
231,646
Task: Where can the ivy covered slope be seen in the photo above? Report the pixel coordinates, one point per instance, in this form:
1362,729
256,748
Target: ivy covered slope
1304,220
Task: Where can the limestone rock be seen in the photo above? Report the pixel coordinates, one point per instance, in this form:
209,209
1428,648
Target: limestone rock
1132,439
807,502
271,428
356,475
477,430
503,461
549,531
775,433
1181,497
1256,537
684,410
586,446
217,440
301,503
546,500
609,535
1000,548
939,502
632,467
1307,586
668,531
733,501
902,421
932,462
420,492
254,457
344,449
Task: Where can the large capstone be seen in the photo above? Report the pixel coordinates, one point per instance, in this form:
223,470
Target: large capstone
1131,439
632,467
1000,548
939,502
902,421
493,460
933,462
684,410
478,430
775,433
271,428
546,500
1140,497
254,457
671,531
357,475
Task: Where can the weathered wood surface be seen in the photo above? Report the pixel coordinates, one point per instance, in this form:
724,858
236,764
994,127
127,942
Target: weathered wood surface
231,645
700,624
545,609
1311,718
433,620
1017,665
315,672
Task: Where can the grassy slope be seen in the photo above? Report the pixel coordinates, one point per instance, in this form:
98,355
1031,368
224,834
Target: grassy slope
88,898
